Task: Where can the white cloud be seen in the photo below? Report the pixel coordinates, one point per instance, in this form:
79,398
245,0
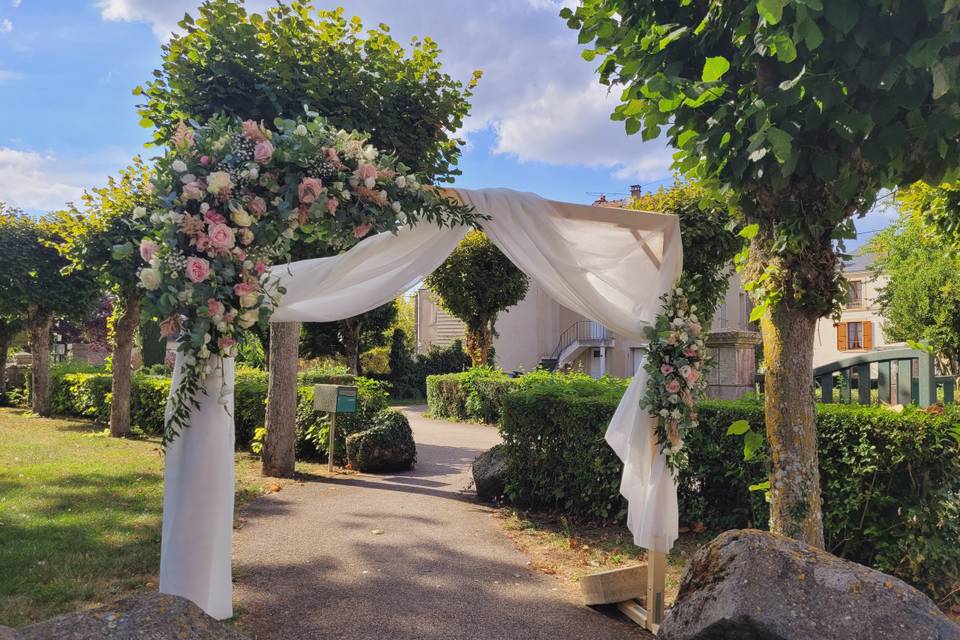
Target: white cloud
537,94
9,76
38,181
6,26
16,3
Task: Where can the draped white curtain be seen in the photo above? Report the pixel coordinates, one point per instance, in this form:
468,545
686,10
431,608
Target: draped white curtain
609,265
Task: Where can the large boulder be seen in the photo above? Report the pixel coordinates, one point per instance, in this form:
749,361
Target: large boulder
755,585
386,446
490,473
149,616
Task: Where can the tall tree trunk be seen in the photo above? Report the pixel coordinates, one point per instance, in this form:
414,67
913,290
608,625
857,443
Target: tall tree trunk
478,340
39,329
123,332
795,505
279,447
5,340
351,343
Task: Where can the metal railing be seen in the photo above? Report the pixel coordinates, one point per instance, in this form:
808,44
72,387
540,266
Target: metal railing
580,331
904,376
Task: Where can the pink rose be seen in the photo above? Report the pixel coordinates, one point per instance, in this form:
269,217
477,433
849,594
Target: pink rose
692,376
204,160
673,386
239,254
257,206
221,236
253,131
148,249
666,369
214,217
309,190
690,352
695,328
334,159
214,308
365,171
263,152
332,204
198,269
203,242
245,288
225,342
260,267
193,190
362,229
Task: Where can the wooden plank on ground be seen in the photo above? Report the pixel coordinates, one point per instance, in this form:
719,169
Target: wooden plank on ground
615,585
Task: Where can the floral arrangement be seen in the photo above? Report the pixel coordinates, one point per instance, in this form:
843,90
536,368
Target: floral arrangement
234,196
676,363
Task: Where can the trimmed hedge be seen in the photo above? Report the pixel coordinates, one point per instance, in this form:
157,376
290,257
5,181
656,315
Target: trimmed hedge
474,395
890,481
87,395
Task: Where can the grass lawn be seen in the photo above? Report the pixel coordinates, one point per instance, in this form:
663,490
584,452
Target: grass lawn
80,515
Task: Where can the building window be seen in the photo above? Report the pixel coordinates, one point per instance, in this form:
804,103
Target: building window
855,294
854,336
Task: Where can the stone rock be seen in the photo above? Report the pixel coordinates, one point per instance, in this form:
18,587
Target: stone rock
490,473
149,616
755,585
386,446
6,633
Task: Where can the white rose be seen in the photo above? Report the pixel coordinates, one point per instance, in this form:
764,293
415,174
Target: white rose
370,153
179,166
249,300
370,183
674,399
240,217
248,318
187,178
150,279
401,181
397,207
301,130
139,212
218,181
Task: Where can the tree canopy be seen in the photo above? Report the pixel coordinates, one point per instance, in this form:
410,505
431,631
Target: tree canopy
350,337
475,283
920,301
290,57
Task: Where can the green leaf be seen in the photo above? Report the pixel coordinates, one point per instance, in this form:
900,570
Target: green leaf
757,312
771,10
750,231
760,486
121,251
752,442
941,81
146,122
782,143
811,34
824,166
738,428
842,14
785,48
714,68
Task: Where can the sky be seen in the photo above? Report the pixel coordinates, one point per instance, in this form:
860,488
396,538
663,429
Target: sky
540,119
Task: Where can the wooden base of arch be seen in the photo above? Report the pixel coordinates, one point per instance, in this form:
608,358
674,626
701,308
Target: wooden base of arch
637,591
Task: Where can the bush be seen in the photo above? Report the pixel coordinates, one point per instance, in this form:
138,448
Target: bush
313,427
408,375
387,445
891,481
476,394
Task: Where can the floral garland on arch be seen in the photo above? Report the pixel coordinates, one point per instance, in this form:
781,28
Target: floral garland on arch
235,195
676,365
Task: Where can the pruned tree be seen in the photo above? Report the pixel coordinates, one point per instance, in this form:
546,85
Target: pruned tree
261,66
98,241
350,337
799,111
475,283
34,287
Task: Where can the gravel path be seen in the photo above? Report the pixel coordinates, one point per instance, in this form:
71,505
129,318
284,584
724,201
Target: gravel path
393,557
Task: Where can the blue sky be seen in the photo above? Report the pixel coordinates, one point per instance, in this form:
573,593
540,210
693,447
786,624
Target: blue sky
540,120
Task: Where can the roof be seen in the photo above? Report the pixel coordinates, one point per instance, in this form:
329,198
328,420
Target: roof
861,262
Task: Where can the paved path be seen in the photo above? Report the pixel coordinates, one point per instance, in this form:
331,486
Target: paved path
395,557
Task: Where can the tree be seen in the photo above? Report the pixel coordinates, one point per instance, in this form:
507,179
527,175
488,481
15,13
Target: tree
10,326
709,239
259,66
98,241
921,300
799,111
349,337
474,284
33,287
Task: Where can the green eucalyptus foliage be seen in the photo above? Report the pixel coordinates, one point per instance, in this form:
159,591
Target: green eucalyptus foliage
475,283
920,301
801,110
269,65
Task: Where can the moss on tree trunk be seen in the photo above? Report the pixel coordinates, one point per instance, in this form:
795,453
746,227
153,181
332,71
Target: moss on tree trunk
279,445
123,333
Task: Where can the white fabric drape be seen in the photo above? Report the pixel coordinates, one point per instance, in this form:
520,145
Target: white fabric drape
197,536
609,265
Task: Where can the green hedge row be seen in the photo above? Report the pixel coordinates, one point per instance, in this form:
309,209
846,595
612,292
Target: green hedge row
87,395
890,481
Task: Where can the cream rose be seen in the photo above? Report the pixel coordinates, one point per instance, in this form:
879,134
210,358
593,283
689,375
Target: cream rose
240,217
150,279
249,300
248,318
219,181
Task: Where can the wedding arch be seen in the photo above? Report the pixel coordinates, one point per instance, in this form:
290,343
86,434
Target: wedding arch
610,265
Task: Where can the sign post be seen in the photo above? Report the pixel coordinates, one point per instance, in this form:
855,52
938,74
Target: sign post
334,399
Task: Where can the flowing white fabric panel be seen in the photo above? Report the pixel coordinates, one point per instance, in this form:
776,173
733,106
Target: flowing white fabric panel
609,265
198,489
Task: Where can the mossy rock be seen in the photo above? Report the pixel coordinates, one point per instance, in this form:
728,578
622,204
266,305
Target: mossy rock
386,446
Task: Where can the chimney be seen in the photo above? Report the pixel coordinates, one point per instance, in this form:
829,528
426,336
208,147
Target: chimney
635,191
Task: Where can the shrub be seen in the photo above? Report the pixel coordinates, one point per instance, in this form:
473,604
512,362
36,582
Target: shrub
408,376
891,481
387,445
313,427
476,394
